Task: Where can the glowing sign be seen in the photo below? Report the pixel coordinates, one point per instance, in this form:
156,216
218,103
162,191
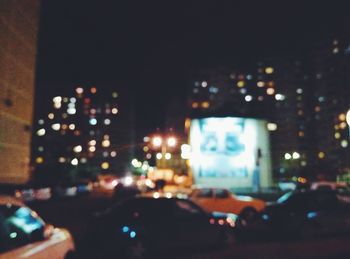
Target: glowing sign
230,152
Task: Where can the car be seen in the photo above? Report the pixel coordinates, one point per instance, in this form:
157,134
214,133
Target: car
23,234
25,193
65,190
306,214
144,226
220,199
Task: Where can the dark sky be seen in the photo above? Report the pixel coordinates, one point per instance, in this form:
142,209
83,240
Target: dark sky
151,46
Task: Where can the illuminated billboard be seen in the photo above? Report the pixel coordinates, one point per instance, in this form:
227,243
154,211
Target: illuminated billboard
230,152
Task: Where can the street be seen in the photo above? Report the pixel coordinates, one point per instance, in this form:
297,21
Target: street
74,214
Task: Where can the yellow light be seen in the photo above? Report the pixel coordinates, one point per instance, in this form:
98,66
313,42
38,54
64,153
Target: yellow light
270,91
145,149
92,149
342,117
343,125
205,105
240,84
72,126
337,135
106,143
105,165
321,155
344,143
195,105
39,160
271,126
51,116
172,142
261,84
301,134
269,70
113,154
77,149
92,142
114,110
157,141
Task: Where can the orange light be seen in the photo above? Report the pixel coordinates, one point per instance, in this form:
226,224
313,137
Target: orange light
93,90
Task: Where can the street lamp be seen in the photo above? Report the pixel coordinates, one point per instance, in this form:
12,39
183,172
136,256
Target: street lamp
164,143
348,120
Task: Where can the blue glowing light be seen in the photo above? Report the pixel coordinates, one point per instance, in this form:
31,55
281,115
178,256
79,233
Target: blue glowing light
132,234
311,215
265,217
125,229
93,121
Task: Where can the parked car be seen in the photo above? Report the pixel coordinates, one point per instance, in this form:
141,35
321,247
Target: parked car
307,214
218,199
65,190
23,234
42,193
84,187
142,226
25,193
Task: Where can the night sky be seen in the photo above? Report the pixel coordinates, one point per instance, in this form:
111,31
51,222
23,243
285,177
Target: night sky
151,47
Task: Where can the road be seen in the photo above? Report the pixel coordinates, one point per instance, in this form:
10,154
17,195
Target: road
74,214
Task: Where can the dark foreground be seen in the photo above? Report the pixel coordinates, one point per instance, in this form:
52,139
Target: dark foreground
74,214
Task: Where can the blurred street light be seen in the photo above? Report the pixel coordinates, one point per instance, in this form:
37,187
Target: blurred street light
348,120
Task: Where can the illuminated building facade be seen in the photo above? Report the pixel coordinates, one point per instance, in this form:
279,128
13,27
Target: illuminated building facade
81,136
18,37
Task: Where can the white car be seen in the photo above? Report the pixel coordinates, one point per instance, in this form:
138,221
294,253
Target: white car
23,234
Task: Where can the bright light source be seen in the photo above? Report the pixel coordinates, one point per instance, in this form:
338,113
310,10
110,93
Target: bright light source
260,84
248,98
105,165
39,160
128,180
57,99
92,142
205,105
204,84
348,117
295,155
93,121
269,70
93,90
287,156
78,149
73,100
172,141
271,126
71,110
56,126
299,91
344,143
167,156
74,161
41,132
51,116
280,97
159,156
92,149
114,110
114,94
106,143
72,126
41,122
156,195
157,141
270,91
146,139
61,159
185,151
57,105
321,155
113,154
79,90
83,160
107,121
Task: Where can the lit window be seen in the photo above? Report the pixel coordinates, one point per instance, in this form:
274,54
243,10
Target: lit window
106,143
335,50
93,121
272,126
107,121
204,84
287,156
321,155
195,105
92,142
317,109
57,99
71,110
74,161
269,70
343,125
270,91
41,132
248,98
240,83
299,91
41,122
39,160
72,126
249,77
205,105
243,91
114,110
92,149
79,90
113,154
93,90
61,160
114,94
105,165
56,126
337,135
77,149
301,134
51,116
344,143
280,97
260,84
40,149
342,117
73,100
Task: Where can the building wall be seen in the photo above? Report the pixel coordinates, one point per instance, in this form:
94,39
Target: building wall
18,39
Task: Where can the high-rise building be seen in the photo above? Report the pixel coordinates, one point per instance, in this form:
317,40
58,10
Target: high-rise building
18,37
81,136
